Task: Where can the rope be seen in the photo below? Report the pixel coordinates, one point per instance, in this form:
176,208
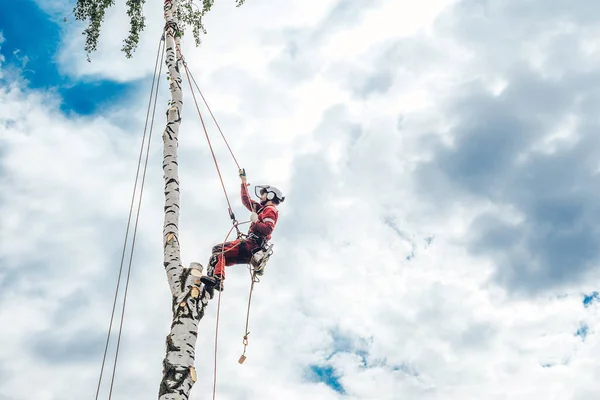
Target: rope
161,42
253,279
135,229
187,72
229,208
216,123
216,348
208,107
218,314
191,79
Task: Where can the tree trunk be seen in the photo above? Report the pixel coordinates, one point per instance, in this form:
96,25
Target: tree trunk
189,297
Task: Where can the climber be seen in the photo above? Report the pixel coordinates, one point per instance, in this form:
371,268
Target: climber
263,219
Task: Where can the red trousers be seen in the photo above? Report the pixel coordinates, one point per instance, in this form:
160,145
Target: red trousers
231,253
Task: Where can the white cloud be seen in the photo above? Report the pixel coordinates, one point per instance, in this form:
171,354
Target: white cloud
366,269
2,59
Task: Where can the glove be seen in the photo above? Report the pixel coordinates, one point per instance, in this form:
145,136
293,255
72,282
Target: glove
242,173
254,217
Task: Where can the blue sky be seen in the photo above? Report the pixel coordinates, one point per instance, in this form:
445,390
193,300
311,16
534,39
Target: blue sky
326,375
439,237
32,41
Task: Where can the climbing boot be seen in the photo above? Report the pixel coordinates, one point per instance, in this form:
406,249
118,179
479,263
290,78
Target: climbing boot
213,282
210,290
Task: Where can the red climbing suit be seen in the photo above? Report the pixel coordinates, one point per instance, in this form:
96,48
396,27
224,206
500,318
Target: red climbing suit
240,251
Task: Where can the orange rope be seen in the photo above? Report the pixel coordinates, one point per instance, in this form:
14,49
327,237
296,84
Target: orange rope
218,314
206,134
235,223
216,123
253,280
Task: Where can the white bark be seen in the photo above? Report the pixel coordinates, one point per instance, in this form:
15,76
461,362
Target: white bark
189,297
179,374
172,256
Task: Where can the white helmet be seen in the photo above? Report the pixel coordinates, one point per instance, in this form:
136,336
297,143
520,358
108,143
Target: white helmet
272,192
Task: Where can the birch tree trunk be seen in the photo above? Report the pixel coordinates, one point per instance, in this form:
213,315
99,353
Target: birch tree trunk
189,297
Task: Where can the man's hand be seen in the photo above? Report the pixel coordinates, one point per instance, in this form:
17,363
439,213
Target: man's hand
242,173
254,217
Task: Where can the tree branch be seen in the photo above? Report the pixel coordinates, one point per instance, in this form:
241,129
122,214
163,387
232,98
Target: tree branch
94,11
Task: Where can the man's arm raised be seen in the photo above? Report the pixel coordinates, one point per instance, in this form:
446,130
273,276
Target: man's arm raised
246,200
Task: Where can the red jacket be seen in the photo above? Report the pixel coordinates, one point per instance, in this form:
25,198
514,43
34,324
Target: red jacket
267,215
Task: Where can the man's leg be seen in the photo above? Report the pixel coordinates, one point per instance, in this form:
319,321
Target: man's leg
235,252
222,255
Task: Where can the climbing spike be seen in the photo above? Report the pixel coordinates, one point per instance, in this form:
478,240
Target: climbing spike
170,238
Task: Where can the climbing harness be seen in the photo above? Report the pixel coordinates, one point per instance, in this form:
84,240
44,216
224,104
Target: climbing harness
260,258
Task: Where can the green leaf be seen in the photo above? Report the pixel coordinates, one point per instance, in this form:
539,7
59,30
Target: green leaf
188,14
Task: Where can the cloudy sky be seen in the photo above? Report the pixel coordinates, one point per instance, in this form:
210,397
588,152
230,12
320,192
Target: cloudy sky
439,239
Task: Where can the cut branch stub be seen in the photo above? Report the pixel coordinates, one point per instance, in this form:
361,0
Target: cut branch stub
196,269
173,113
170,238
